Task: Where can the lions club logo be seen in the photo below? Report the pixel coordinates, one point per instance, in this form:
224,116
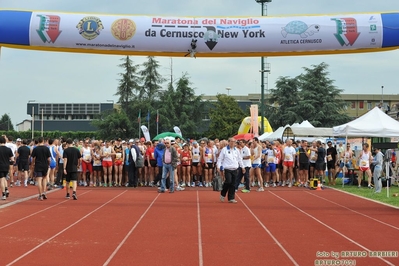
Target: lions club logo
123,29
90,27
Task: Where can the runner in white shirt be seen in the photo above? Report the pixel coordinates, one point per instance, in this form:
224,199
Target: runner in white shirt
246,160
13,148
271,164
365,159
256,153
289,155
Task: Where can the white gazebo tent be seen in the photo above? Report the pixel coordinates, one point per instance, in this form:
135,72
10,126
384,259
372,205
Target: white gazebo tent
374,123
275,135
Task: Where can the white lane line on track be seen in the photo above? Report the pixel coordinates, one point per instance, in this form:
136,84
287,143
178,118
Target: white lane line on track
62,231
349,209
23,199
30,215
200,255
130,232
329,227
270,234
361,197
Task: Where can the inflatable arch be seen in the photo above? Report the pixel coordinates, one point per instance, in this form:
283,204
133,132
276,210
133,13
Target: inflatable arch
245,126
199,36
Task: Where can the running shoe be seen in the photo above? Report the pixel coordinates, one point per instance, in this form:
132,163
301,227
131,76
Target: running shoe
266,184
7,193
44,196
4,197
290,184
200,184
40,198
67,196
193,184
274,185
245,191
221,198
74,196
233,201
260,189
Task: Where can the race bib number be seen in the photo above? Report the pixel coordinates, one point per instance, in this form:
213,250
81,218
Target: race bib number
270,160
313,158
196,157
118,155
87,157
288,157
329,157
363,163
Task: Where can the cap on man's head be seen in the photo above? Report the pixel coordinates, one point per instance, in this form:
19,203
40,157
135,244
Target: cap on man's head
18,139
131,141
123,141
195,142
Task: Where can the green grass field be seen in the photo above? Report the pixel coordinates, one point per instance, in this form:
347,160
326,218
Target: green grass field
369,193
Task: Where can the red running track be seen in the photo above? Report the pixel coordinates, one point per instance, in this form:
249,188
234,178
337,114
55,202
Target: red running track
119,226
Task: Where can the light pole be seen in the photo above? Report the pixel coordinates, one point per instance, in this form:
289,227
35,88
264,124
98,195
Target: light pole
382,97
263,70
8,122
228,90
42,123
33,118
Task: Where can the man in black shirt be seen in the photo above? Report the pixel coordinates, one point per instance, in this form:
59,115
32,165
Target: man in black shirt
320,167
6,156
331,161
23,154
72,160
41,161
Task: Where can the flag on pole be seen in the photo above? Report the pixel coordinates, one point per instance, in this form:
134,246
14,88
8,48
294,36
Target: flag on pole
148,116
139,117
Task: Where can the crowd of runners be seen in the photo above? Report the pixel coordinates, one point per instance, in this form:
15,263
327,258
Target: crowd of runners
139,163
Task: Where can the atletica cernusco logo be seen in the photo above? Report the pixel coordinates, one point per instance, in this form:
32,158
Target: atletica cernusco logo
90,27
123,29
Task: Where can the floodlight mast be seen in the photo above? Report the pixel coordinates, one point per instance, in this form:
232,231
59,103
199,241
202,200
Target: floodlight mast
265,68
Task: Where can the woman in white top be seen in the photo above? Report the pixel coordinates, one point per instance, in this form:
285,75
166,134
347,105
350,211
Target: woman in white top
365,159
106,154
256,154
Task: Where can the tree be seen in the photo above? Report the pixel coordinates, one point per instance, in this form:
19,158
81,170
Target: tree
226,116
151,79
112,124
128,84
321,103
310,96
5,123
181,107
283,101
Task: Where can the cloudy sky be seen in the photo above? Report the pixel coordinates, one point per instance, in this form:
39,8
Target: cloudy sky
68,77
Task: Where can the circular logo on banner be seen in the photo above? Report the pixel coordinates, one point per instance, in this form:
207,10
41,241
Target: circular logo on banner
90,27
123,29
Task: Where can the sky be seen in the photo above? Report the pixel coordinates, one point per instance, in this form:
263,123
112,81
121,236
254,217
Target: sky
55,77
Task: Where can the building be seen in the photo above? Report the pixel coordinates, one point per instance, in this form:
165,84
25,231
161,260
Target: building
65,116
357,104
24,125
